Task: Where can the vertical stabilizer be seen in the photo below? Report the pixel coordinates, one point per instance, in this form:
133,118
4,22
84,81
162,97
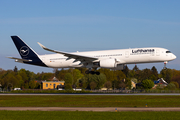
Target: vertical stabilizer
26,52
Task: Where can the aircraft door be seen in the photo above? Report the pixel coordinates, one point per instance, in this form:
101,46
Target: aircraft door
157,52
127,54
152,56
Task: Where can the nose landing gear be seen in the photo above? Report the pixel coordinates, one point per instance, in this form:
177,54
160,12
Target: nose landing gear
165,64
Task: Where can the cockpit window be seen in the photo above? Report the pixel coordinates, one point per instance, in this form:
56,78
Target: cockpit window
168,51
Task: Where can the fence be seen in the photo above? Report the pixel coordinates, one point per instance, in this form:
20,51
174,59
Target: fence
120,91
135,91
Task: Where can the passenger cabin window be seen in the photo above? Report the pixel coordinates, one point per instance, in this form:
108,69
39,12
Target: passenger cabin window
168,51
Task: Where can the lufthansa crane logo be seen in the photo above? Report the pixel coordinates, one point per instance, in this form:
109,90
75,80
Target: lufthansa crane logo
24,51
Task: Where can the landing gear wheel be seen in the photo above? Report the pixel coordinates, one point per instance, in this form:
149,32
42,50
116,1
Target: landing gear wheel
92,72
97,73
87,71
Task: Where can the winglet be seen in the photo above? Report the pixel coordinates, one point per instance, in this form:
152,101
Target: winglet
41,45
45,48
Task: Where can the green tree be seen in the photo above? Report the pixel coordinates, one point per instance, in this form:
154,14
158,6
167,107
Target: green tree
175,72
26,85
146,74
110,74
13,80
154,72
134,80
83,82
47,76
176,79
93,85
98,79
122,85
62,74
56,72
30,75
152,77
108,84
119,75
77,75
38,86
176,84
38,76
136,68
166,74
126,71
147,84
131,74
68,86
138,73
128,83
171,86
20,81
82,70
9,81
15,70
32,84
115,84
68,78
22,73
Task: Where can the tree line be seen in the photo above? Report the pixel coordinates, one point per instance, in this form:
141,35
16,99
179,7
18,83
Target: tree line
115,79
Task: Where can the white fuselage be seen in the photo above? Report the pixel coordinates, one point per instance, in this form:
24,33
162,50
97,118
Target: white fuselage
122,56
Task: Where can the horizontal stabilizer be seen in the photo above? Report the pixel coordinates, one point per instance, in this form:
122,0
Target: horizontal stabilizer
19,59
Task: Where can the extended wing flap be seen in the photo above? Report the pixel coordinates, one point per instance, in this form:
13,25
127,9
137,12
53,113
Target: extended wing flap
70,55
20,60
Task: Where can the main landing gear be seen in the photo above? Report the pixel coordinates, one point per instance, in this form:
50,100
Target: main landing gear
92,72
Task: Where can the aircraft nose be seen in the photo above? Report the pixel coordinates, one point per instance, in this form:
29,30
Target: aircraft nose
173,56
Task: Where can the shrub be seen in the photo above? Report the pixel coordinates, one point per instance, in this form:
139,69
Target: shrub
147,84
171,86
68,86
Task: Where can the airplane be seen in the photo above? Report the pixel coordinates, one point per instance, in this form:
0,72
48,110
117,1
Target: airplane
110,59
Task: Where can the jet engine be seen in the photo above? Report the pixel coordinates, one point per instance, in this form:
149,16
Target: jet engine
111,64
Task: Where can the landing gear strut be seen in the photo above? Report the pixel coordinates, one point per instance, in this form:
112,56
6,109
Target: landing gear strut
165,64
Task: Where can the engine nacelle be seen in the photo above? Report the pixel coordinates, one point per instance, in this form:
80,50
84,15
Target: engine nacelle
108,63
119,67
111,64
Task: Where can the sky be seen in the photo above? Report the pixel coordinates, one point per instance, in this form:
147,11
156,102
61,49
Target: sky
88,25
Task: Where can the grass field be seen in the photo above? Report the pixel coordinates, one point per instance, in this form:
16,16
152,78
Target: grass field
77,115
89,101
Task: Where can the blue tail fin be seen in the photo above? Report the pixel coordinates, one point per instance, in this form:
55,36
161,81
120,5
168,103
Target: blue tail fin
26,52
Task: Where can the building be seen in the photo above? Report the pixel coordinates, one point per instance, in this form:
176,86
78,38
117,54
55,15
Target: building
53,84
160,83
133,85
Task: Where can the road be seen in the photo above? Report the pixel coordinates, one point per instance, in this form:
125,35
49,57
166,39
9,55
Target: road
158,94
109,109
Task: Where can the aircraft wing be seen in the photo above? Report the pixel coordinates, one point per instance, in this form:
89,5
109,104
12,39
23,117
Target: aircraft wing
70,55
19,59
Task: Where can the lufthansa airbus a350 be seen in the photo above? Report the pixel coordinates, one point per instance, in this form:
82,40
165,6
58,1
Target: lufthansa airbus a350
111,59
